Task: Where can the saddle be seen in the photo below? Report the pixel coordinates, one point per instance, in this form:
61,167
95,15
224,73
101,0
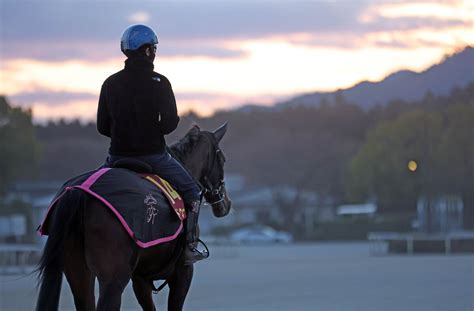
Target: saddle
147,206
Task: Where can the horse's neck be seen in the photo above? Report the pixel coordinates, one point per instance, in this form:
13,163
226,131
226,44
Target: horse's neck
194,164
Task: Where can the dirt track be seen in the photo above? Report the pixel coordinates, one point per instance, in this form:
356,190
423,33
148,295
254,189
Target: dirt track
328,277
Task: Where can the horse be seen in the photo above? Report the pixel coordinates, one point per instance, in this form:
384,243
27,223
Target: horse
78,220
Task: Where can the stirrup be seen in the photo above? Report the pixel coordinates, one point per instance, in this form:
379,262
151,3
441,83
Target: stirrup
205,252
198,255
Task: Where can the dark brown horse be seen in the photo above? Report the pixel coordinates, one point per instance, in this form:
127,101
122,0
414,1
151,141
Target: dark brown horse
86,241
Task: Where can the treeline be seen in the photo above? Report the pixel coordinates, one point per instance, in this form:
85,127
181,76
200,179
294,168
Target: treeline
348,155
69,149
338,150
19,148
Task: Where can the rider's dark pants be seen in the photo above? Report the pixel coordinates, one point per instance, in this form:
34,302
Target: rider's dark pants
170,170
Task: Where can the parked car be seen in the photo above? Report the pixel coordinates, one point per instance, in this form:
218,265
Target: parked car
260,234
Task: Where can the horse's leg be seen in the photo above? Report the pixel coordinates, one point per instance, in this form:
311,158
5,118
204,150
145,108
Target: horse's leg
143,292
79,277
114,269
179,284
110,253
113,265
111,288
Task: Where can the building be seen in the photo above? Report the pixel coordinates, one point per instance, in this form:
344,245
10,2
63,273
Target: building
442,213
366,210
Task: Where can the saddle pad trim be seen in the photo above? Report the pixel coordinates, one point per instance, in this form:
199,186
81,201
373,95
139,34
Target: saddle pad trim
125,225
87,184
40,229
93,178
116,213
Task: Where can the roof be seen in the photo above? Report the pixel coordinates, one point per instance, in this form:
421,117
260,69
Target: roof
356,209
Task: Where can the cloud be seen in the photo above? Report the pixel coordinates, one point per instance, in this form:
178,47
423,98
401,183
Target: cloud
139,17
26,75
81,105
84,110
184,20
80,20
219,54
60,51
80,29
51,98
47,105
400,32
200,48
97,51
448,10
206,103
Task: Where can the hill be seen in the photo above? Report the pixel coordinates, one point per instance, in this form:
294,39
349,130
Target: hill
455,71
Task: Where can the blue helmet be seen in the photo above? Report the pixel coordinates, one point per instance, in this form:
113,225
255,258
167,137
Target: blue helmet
137,35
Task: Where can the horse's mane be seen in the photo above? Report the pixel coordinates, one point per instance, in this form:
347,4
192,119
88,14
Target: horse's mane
183,147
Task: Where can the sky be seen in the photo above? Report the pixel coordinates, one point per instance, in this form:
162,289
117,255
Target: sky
54,55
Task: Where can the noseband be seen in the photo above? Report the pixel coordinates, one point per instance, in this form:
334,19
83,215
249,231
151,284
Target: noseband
213,194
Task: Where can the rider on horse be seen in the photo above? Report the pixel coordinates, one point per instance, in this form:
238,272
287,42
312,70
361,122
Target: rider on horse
136,109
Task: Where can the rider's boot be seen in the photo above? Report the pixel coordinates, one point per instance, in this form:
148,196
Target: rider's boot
191,253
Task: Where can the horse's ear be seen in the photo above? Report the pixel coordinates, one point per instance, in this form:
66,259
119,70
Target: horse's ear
194,130
219,133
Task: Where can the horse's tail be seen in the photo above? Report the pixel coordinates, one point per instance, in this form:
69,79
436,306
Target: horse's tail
65,221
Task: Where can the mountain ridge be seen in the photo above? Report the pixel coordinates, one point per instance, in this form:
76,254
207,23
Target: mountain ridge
453,71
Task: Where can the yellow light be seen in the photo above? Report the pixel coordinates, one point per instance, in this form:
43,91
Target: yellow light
412,165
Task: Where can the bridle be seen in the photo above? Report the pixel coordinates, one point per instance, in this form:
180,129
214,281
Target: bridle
213,194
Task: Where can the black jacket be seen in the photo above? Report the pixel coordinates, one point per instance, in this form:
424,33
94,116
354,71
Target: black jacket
136,109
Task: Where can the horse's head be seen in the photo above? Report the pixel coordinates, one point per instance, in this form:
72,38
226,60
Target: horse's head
203,157
213,177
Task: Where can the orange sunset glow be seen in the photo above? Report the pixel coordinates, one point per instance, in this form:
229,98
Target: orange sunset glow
59,75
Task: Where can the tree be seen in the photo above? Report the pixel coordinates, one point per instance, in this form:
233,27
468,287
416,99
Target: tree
455,157
18,146
380,168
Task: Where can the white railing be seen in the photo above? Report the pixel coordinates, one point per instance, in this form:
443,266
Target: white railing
18,258
379,240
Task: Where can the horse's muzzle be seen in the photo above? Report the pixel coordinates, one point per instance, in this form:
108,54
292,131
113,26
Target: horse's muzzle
222,208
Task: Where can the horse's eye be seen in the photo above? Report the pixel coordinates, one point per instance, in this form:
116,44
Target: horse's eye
221,160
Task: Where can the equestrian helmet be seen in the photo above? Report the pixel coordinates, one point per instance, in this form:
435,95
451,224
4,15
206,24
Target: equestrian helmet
135,36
